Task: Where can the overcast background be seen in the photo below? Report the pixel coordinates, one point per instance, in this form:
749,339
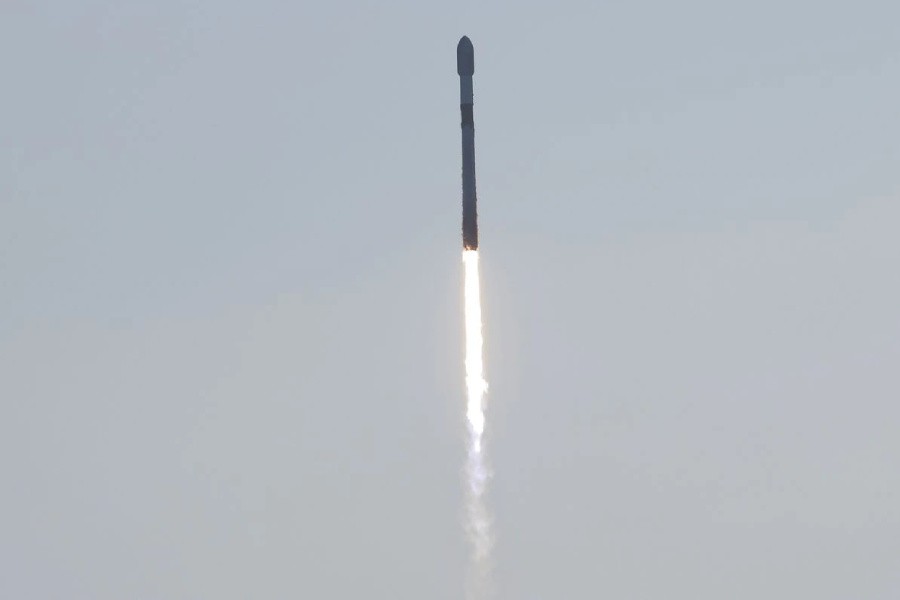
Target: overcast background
231,317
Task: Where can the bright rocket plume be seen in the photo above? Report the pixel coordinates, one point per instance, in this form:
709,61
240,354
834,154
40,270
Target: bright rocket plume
475,383
478,523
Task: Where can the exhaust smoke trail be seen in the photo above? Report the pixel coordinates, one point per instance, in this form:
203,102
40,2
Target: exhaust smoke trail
478,525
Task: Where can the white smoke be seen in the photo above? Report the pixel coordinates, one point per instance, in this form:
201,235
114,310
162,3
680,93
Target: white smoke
478,523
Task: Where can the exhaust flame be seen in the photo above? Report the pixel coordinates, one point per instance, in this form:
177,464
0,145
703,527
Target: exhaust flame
477,519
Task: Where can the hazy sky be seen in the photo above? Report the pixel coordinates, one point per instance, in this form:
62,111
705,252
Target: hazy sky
231,305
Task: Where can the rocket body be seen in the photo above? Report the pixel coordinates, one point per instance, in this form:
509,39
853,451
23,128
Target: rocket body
465,67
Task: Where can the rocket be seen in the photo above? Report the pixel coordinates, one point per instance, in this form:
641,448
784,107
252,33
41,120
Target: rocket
465,67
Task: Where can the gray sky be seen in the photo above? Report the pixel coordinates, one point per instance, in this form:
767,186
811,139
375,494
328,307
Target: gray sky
231,305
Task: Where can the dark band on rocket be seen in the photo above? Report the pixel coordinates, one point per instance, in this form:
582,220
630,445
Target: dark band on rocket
467,118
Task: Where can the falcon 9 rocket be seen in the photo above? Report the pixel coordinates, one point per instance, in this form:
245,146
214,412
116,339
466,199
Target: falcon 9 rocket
465,67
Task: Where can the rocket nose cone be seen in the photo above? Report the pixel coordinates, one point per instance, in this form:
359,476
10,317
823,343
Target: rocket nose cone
465,57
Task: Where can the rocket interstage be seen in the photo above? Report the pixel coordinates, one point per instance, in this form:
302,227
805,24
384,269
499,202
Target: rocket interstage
465,67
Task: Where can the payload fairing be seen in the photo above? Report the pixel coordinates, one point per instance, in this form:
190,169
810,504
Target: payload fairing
465,67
